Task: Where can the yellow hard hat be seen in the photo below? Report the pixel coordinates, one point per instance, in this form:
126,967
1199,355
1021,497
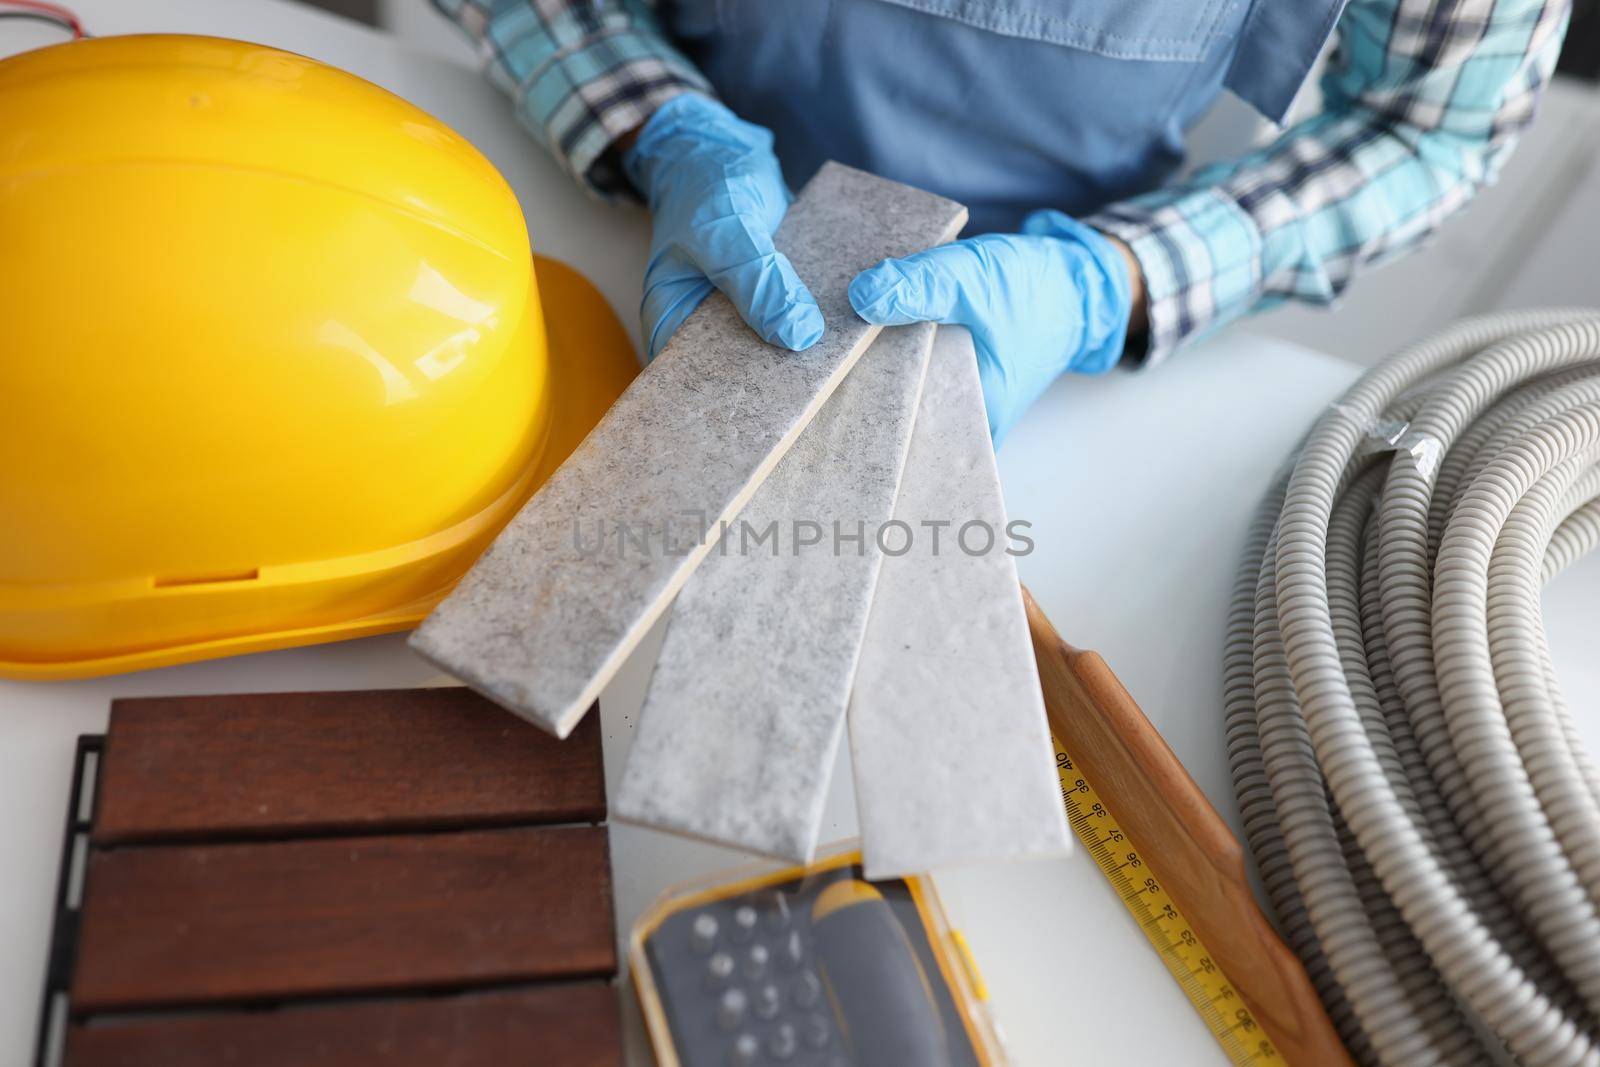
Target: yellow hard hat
279,366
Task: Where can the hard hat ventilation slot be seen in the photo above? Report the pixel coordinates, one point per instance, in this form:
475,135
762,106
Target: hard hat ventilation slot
173,580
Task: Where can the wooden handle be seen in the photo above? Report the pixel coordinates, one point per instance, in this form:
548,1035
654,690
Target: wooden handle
1182,839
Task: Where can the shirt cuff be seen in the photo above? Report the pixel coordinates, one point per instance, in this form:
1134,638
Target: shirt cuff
602,93
580,98
1199,254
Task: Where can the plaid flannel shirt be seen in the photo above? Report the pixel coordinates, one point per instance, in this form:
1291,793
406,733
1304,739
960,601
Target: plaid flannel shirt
581,73
1422,102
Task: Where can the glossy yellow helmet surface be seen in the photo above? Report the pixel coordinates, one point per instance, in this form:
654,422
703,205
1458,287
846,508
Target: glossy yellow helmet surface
278,364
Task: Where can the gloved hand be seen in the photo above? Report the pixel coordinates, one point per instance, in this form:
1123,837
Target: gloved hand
1053,298
716,195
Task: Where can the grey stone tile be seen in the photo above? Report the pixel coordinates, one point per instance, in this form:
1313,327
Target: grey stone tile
551,610
952,754
741,723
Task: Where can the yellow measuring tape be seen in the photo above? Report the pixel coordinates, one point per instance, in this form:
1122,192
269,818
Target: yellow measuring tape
1201,980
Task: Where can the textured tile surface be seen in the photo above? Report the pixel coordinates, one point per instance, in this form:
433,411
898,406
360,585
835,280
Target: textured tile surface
952,755
559,600
742,719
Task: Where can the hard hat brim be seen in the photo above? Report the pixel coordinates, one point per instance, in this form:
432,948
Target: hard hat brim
591,363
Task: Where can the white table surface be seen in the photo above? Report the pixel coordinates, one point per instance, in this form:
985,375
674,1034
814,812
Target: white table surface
1139,489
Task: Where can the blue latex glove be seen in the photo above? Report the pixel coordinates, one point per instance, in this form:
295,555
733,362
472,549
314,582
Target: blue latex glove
716,195
1051,299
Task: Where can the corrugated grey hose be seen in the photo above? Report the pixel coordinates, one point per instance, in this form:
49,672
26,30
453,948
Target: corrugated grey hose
1422,813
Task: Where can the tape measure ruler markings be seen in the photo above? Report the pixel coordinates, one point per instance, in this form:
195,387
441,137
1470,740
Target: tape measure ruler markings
1152,907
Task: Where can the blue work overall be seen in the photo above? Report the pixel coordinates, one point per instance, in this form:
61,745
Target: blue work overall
1005,105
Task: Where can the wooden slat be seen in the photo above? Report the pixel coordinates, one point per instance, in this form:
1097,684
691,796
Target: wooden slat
191,924
571,1025
299,763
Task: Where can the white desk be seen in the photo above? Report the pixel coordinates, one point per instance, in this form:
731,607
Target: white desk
1139,489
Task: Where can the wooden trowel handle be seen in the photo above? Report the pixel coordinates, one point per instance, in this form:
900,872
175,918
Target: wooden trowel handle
1183,840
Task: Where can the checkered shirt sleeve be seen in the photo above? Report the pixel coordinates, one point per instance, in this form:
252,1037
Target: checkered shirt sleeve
581,73
1423,101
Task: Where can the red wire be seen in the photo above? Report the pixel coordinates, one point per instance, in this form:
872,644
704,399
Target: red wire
44,7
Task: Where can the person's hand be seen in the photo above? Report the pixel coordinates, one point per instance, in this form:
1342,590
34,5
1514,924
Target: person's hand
1054,298
716,195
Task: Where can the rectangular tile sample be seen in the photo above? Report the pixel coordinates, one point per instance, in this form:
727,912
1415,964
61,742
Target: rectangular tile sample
336,762
952,755
194,924
574,1025
566,591
741,722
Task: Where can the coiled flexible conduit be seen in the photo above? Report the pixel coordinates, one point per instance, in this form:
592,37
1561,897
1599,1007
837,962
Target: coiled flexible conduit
1422,813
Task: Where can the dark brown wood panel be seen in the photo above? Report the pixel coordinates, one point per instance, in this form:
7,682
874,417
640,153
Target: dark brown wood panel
343,762
570,1025
194,924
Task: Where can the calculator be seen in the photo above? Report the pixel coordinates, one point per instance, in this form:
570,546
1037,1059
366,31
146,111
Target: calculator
809,967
